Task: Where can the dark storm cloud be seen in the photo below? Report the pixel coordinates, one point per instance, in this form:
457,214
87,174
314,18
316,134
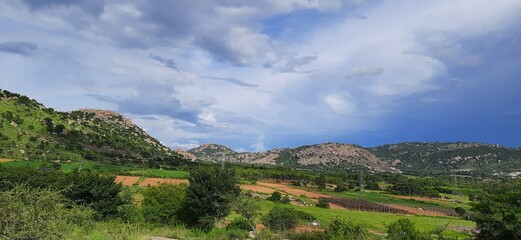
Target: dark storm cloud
93,7
169,63
22,48
233,81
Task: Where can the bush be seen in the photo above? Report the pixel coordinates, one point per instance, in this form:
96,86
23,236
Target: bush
285,200
38,214
313,235
342,229
240,223
281,218
322,203
275,197
162,203
404,229
460,211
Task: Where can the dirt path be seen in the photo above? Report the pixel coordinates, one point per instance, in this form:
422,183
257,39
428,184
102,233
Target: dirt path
157,181
293,191
416,211
257,188
6,160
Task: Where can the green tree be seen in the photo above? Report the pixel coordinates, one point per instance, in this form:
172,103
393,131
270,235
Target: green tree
163,203
404,229
281,218
498,215
275,196
210,195
320,181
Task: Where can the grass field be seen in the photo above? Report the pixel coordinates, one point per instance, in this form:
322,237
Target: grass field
130,170
377,222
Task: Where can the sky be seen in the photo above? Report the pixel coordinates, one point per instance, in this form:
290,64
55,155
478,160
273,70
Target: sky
256,75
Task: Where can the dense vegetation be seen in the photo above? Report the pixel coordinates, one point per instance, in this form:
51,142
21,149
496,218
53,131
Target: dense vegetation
437,158
28,130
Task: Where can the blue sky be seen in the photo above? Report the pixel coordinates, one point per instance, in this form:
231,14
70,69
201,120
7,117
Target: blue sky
256,75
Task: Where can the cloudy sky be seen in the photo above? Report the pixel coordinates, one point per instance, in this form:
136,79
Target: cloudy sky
256,75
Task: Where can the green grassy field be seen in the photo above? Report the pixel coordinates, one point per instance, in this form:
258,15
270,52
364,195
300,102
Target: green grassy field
377,222
119,169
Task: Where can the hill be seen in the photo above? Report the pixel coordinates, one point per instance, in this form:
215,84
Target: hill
424,158
457,157
325,155
29,130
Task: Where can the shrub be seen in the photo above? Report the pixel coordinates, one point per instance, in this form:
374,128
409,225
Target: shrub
240,223
281,218
275,197
285,200
163,203
404,229
37,214
322,203
342,229
313,235
460,211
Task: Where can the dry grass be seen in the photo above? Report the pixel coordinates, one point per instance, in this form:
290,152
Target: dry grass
6,160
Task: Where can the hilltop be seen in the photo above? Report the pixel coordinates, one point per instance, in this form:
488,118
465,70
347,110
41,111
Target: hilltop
29,130
411,157
311,156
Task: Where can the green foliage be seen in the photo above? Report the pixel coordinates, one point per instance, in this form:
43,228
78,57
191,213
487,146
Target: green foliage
162,203
498,214
404,229
285,199
31,131
210,195
28,213
342,229
322,203
240,223
275,196
460,211
281,218
89,189
321,182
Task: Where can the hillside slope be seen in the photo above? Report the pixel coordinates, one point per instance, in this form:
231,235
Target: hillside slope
457,157
29,130
313,156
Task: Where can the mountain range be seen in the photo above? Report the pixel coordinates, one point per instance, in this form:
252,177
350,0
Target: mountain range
29,130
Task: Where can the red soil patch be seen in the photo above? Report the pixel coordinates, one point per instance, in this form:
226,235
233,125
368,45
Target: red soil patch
127,180
157,181
417,211
256,188
293,191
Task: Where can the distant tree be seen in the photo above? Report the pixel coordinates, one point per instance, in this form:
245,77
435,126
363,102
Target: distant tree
210,195
320,181
285,199
249,209
323,203
275,196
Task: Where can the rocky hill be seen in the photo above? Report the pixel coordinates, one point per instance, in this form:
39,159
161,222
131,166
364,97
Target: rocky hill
312,156
457,157
410,157
29,130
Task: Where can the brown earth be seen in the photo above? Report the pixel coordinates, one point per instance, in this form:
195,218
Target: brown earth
257,188
6,160
157,181
292,191
127,180
307,228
